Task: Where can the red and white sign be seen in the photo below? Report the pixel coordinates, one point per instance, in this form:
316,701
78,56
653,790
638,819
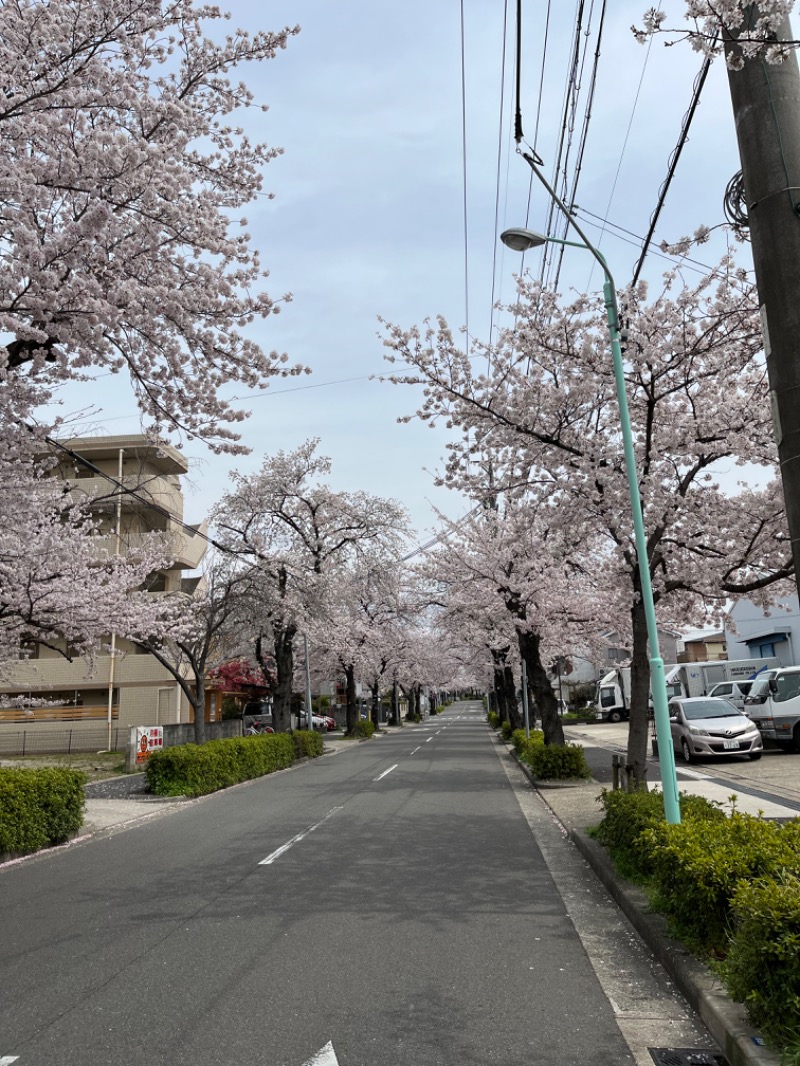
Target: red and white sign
149,738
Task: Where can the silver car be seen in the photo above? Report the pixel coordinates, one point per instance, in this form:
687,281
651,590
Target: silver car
703,726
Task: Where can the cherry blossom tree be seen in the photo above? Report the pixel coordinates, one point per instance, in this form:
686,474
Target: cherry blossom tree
531,568
122,171
196,631
60,579
699,403
299,536
124,176
712,22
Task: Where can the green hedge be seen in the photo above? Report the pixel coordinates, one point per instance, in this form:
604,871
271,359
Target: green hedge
505,729
626,817
39,808
556,762
731,889
196,770
493,719
365,728
762,969
522,743
698,867
307,743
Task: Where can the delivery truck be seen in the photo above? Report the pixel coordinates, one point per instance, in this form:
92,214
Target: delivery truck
775,708
682,679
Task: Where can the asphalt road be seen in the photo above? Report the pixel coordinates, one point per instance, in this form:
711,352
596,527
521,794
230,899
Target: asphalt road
386,905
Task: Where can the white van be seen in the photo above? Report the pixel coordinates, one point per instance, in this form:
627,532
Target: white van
735,692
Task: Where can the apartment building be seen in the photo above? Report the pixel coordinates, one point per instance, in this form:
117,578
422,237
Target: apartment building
131,688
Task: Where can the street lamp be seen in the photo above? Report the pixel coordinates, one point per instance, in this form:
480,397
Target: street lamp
521,240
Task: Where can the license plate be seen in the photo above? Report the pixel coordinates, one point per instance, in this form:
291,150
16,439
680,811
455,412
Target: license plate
731,745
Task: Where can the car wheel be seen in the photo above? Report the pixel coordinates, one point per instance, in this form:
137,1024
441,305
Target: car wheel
796,739
686,751
615,716
755,755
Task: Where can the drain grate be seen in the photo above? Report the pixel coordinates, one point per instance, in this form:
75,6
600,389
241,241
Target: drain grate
686,1056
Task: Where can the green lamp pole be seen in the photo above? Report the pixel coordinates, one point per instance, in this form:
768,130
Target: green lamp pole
521,240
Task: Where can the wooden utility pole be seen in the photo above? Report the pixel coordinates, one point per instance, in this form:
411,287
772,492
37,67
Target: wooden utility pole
766,108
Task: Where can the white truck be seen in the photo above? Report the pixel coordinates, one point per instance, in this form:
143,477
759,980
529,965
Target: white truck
682,679
776,711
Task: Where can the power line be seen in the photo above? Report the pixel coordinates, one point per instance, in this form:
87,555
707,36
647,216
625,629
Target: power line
464,171
672,165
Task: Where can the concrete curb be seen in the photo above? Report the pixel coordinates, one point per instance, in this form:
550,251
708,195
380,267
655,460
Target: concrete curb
724,1019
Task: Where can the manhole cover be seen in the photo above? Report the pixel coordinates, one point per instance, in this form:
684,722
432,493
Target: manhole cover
686,1056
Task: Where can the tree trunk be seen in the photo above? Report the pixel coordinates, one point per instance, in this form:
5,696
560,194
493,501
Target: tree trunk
284,668
199,708
411,713
499,687
376,704
539,682
352,706
640,693
395,703
512,706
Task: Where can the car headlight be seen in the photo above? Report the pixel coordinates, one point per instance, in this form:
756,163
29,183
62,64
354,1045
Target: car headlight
698,732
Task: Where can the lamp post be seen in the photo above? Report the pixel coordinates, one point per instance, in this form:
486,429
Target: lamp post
520,240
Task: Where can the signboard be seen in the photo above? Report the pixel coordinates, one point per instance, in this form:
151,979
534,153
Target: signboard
149,738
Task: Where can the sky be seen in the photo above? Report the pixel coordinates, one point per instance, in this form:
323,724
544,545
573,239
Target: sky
368,215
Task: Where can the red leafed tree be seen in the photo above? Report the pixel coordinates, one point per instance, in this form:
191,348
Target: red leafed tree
239,675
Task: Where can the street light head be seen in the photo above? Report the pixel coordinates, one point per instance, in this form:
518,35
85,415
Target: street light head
522,240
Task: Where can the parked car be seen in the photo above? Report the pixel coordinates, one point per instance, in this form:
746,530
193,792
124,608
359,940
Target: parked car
257,717
736,692
705,726
319,722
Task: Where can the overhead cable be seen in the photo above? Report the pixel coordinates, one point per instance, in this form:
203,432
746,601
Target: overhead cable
672,165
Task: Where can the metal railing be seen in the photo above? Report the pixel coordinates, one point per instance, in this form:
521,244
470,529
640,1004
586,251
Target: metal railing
60,742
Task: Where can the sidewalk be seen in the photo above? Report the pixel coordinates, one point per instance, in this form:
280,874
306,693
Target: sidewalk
575,806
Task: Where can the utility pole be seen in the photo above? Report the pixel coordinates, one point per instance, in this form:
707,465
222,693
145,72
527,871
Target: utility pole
766,108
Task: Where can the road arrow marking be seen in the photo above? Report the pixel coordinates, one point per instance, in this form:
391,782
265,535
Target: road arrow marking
325,1057
385,772
295,840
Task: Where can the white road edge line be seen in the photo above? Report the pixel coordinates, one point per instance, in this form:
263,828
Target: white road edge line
385,772
6,1060
295,840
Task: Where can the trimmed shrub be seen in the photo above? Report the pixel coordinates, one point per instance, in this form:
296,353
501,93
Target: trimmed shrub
493,719
698,866
522,744
39,808
505,729
365,728
556,762
628,814
307,743
762,969
196,770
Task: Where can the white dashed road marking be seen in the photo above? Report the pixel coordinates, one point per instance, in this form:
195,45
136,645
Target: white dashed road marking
295,840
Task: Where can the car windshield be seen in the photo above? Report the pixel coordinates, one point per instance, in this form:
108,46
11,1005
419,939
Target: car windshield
709,709
788,686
